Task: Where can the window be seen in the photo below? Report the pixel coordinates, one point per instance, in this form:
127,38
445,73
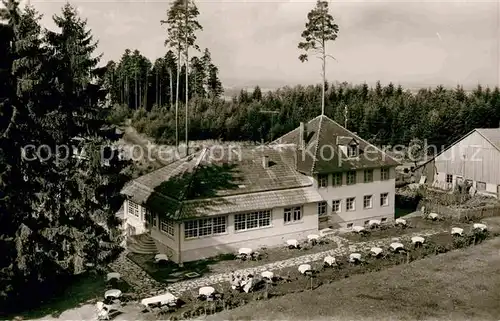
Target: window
252,220
322,208
449,178
481,186
384,199
352,151
133,208
205,227
383,220
337,179
293,214
367,201
322,180
368,175
351,177
350,204
336,206
349,225
384,174
167,226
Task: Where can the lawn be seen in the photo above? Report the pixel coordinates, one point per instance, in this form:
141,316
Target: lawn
293,283
458,285
171,272
86,288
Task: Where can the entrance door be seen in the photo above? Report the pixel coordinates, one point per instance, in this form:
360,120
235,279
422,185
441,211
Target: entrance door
130,230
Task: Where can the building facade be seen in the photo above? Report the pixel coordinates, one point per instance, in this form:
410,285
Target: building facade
474,159
219,200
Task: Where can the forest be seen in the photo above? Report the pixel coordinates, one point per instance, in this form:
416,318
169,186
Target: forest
384,115
58,213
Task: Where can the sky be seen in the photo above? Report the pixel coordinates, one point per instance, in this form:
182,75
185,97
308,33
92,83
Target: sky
413,43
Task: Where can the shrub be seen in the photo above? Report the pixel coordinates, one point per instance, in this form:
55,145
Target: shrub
118,114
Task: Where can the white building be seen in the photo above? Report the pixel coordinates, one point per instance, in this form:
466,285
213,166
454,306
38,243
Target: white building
474,158
220,199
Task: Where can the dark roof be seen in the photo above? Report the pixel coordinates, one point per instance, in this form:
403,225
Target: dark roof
214,179
322,153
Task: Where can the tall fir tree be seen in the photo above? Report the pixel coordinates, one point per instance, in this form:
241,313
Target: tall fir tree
319,30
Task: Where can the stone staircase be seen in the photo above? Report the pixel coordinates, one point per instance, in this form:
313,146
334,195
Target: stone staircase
141,244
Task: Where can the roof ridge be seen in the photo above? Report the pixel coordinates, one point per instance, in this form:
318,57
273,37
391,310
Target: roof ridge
149,189
180,160
361,139
255,192
315,155
486,138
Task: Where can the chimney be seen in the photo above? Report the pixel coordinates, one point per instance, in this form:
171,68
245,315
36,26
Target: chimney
302,135
265,161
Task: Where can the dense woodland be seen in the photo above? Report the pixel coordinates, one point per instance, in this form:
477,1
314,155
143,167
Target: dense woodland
385,115
57,214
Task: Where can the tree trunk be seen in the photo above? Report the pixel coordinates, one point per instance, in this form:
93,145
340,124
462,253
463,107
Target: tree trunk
171,98
122,91
159,94
135,91
146,88
187,101
156,88
140,93
324,81
187,80
177,99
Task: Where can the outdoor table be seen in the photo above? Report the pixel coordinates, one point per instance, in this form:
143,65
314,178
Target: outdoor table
161,257
245,251
376,251
113,275
313,237
113,294
206,291
163,299
293,243
358,229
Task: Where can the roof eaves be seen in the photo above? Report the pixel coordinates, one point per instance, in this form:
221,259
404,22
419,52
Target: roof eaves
149,189
315,154
451,145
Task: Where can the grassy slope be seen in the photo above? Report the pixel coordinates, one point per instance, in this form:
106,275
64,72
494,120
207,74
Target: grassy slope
458,285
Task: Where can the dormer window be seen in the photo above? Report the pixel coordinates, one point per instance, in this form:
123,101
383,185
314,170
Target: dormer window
348,146
352,150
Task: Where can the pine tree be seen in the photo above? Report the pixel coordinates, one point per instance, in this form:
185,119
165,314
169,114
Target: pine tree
181,35
26,250
214,84
257,94
320,28
87,196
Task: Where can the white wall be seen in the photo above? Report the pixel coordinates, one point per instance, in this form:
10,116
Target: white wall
138,223
275,235
359,190
166,244
440,182
473,158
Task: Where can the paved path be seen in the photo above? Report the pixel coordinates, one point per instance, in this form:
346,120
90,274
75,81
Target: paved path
136,277
344,246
